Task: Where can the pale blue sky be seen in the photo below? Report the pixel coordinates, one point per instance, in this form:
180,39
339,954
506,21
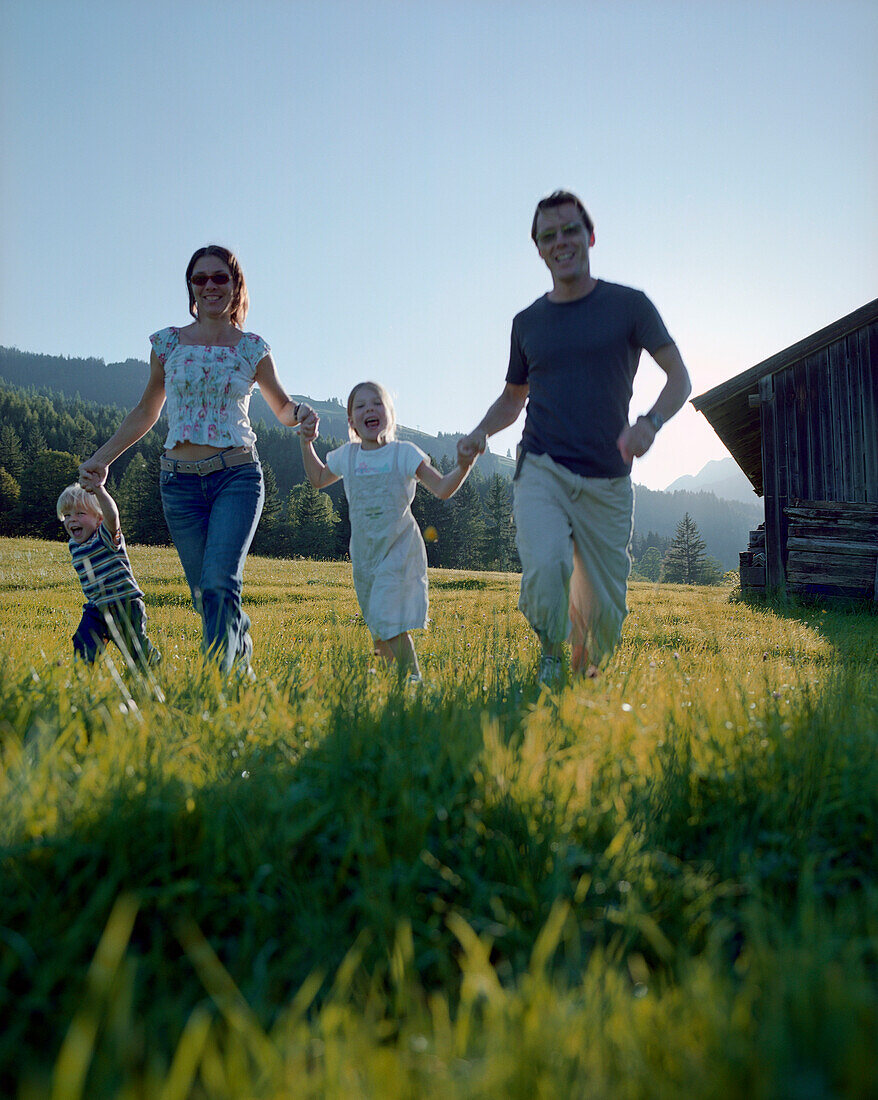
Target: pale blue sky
375,166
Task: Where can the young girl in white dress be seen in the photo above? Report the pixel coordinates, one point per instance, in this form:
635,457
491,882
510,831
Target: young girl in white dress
387,551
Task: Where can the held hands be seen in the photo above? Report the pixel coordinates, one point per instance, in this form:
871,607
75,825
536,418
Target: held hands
309,424
464,461
636,439
470,446
92,475
91,485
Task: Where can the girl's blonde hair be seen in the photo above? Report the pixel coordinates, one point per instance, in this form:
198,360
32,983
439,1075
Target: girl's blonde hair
73,498
386,401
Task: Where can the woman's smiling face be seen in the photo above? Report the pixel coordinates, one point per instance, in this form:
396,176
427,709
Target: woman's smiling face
212,299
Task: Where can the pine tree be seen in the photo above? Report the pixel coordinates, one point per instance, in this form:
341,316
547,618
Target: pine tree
41,484
10,491
36,444
267,540
498,547
311,522
431,515
140,504
84,442
12,457
686,560
650,564
343,527
464,527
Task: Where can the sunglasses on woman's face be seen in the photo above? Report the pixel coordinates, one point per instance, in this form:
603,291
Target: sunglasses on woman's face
219,279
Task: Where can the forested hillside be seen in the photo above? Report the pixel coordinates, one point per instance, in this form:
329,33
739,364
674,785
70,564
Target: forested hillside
44,436
724,524
121,384
55,411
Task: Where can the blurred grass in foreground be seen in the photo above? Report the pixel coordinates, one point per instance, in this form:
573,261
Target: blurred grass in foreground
656,884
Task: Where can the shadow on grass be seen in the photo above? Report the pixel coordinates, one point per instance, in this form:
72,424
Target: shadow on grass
283,839
850,627
288,826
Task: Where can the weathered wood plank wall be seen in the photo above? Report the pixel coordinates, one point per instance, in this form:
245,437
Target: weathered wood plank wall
832,549
819,426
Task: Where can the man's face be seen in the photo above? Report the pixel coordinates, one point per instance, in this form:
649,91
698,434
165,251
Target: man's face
563,241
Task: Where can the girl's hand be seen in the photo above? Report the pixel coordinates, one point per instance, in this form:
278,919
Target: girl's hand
309,425
470,446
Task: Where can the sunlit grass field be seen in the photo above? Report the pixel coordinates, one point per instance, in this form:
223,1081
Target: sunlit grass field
326,883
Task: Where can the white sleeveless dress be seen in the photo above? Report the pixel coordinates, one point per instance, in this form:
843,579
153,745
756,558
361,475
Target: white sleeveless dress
387,551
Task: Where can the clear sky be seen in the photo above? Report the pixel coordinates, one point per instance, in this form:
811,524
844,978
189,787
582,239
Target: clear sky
375,165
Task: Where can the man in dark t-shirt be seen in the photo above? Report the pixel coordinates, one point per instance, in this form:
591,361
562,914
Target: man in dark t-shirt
574,353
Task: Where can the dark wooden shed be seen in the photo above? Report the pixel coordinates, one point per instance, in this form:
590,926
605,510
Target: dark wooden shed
803,426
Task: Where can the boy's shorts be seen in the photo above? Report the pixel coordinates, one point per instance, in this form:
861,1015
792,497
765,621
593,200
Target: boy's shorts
123,622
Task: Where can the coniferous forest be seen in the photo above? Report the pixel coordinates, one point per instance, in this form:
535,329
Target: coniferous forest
55,411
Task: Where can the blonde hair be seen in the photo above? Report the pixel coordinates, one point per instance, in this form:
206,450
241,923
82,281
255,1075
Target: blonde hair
73,498
386,401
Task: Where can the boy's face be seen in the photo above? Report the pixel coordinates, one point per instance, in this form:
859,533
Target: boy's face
80,524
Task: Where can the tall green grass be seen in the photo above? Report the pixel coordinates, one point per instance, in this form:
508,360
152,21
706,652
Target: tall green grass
329,883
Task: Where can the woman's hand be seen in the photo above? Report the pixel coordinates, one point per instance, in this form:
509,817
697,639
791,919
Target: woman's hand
92,475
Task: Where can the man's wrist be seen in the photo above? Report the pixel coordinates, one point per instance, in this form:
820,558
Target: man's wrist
654,419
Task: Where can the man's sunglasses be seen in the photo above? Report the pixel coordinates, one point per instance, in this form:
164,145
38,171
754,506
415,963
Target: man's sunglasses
568,232
220,279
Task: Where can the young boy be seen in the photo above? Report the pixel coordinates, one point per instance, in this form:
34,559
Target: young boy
114,603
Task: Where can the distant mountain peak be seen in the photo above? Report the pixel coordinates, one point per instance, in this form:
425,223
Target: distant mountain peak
721,476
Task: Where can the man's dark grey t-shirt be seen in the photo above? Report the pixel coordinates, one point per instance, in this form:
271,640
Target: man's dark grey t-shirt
579,360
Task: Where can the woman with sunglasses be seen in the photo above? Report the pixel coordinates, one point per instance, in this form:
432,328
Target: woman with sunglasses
211,479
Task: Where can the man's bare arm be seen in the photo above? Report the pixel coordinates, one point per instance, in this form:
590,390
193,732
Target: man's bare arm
637,438
504,412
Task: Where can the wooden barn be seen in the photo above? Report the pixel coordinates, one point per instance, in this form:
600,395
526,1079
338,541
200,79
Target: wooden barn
803,426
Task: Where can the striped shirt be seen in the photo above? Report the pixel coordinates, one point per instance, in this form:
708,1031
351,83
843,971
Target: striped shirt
103,569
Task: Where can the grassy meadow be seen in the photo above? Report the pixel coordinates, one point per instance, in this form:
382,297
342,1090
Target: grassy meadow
660,883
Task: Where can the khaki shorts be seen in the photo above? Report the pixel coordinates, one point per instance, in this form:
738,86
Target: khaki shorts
573,535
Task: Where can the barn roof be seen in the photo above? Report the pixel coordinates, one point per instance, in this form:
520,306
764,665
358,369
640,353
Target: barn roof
727,406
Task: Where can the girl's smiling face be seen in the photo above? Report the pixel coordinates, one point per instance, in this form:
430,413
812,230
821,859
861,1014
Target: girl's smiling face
369,417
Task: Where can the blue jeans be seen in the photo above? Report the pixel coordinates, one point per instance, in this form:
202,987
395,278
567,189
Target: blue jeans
212,520
125,622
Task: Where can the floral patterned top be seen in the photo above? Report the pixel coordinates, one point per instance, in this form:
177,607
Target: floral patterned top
208,388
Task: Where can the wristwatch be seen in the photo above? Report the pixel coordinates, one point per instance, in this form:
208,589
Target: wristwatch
654,419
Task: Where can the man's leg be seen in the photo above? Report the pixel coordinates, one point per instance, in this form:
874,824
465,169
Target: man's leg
545,546
602,519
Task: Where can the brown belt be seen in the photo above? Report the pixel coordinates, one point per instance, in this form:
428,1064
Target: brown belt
239,456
